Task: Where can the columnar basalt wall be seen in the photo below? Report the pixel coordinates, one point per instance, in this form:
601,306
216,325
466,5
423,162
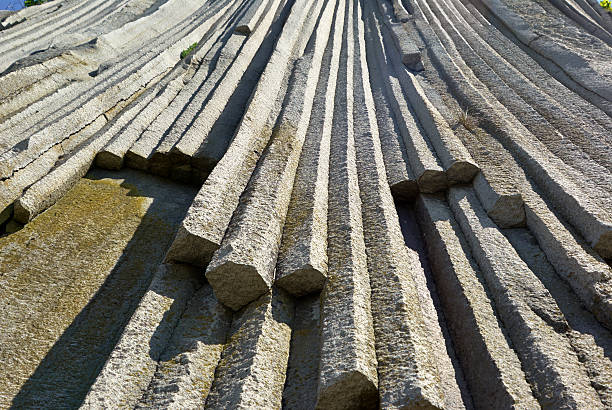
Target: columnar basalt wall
363,203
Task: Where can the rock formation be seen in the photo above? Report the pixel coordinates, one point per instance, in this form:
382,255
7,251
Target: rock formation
397,204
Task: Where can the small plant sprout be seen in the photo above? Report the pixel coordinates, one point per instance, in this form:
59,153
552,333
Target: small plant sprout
188,50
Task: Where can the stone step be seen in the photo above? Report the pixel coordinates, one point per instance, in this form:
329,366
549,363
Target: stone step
457,163
162,129
70,99
587,274
12,188
109,93
16,44
22,87
409,52
220,52
495,184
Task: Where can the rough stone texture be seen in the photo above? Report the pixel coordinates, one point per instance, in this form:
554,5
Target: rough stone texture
112,155
186,368
321,138
409,52
348,363
202,231
131,365
479,338
80,269
590,339
399,173
423,161
403,349
243,267
251,372
302,258
249,19
537,325
300,390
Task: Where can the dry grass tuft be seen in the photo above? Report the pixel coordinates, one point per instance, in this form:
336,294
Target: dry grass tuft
464,118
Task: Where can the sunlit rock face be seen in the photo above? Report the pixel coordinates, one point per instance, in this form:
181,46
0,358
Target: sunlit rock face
306,204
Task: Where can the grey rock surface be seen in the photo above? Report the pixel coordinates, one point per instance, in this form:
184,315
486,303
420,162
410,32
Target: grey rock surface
348,359
186,368
476,330
324,204
243,267
253,365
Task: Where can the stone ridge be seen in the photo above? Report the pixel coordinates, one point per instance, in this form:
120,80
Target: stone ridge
402,203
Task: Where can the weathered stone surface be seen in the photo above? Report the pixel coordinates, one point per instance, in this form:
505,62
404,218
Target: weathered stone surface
300,123
243,267
251,372
403,349
300,390
496,184
583,269
536,325
589,338
71,279
409,52
477,335
54,185
251,16
132,363
587,211
302,259
177,119
194,136
12,188
423,161
399,174
562,44
186,368
112,155
100,99
203,228
347,366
